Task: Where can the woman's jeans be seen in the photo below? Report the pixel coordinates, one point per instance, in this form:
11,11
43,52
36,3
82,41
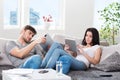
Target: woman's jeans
33,62
56,53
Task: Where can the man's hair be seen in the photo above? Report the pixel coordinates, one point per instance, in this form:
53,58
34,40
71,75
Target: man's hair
28,27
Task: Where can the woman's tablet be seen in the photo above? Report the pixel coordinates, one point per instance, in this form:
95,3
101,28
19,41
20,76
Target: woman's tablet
72,44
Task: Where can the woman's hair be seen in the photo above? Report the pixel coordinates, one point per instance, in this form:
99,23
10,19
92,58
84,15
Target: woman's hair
28,27
95,36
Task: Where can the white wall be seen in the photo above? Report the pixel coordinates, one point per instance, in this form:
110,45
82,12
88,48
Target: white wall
78,16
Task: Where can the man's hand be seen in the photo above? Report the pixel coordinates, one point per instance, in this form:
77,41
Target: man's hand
43,40
40,40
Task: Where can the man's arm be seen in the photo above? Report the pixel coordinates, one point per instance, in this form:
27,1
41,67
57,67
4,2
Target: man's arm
21,53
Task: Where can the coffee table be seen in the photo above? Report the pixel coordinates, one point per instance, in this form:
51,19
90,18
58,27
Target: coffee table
33,74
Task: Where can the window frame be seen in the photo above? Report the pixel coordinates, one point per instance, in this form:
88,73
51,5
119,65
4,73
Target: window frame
23,16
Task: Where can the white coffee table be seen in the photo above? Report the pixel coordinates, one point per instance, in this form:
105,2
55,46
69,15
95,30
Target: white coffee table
32,74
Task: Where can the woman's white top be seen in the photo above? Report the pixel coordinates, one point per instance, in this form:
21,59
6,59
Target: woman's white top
89,51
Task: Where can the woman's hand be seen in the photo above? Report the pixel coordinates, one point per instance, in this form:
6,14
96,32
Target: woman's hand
66,47
80,49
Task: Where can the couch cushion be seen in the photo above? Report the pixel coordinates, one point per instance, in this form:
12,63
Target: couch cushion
3,57
2,44
117,48
107,51
111,63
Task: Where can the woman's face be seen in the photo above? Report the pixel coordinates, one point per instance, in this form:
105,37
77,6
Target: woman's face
88,37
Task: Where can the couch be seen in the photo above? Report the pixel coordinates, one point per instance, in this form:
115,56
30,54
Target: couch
110,55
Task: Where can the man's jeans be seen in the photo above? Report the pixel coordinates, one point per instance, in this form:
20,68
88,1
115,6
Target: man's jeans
33,62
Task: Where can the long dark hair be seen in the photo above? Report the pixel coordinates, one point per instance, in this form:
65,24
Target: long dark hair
95,36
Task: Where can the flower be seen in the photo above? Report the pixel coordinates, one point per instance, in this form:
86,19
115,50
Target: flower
47,18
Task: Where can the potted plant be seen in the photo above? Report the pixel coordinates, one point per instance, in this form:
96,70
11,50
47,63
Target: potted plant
47,21
111,18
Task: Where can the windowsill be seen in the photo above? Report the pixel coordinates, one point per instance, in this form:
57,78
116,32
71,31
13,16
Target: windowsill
51,28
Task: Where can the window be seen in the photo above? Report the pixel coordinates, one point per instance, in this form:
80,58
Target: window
10,13
100,5
34,12
47,9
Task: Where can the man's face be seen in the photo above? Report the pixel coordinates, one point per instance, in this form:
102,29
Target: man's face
27,35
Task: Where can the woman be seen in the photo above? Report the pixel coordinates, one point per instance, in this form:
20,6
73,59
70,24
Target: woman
89,53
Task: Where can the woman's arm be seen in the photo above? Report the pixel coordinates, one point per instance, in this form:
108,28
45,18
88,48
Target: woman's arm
93,60
96,58
74,54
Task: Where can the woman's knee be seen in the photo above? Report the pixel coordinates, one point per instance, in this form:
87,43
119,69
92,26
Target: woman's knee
57,50
56,44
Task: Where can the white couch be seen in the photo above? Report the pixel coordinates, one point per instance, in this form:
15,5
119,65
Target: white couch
90,74
3,58
106,50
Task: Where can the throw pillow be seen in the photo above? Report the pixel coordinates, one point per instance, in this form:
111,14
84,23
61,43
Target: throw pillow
3,57
117,48
107,51
110,64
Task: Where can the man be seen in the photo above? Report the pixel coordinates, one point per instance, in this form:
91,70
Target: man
25,53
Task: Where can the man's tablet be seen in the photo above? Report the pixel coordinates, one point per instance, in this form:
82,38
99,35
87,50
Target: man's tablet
72,44
49,42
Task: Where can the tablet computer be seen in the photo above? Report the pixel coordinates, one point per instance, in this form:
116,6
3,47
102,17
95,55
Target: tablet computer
49,42
72,44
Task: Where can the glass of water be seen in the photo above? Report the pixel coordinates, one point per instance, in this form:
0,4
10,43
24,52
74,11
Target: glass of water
59,67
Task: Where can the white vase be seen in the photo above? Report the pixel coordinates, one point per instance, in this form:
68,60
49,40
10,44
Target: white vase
47,25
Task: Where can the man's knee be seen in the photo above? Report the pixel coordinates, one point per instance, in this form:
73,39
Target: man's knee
37,59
